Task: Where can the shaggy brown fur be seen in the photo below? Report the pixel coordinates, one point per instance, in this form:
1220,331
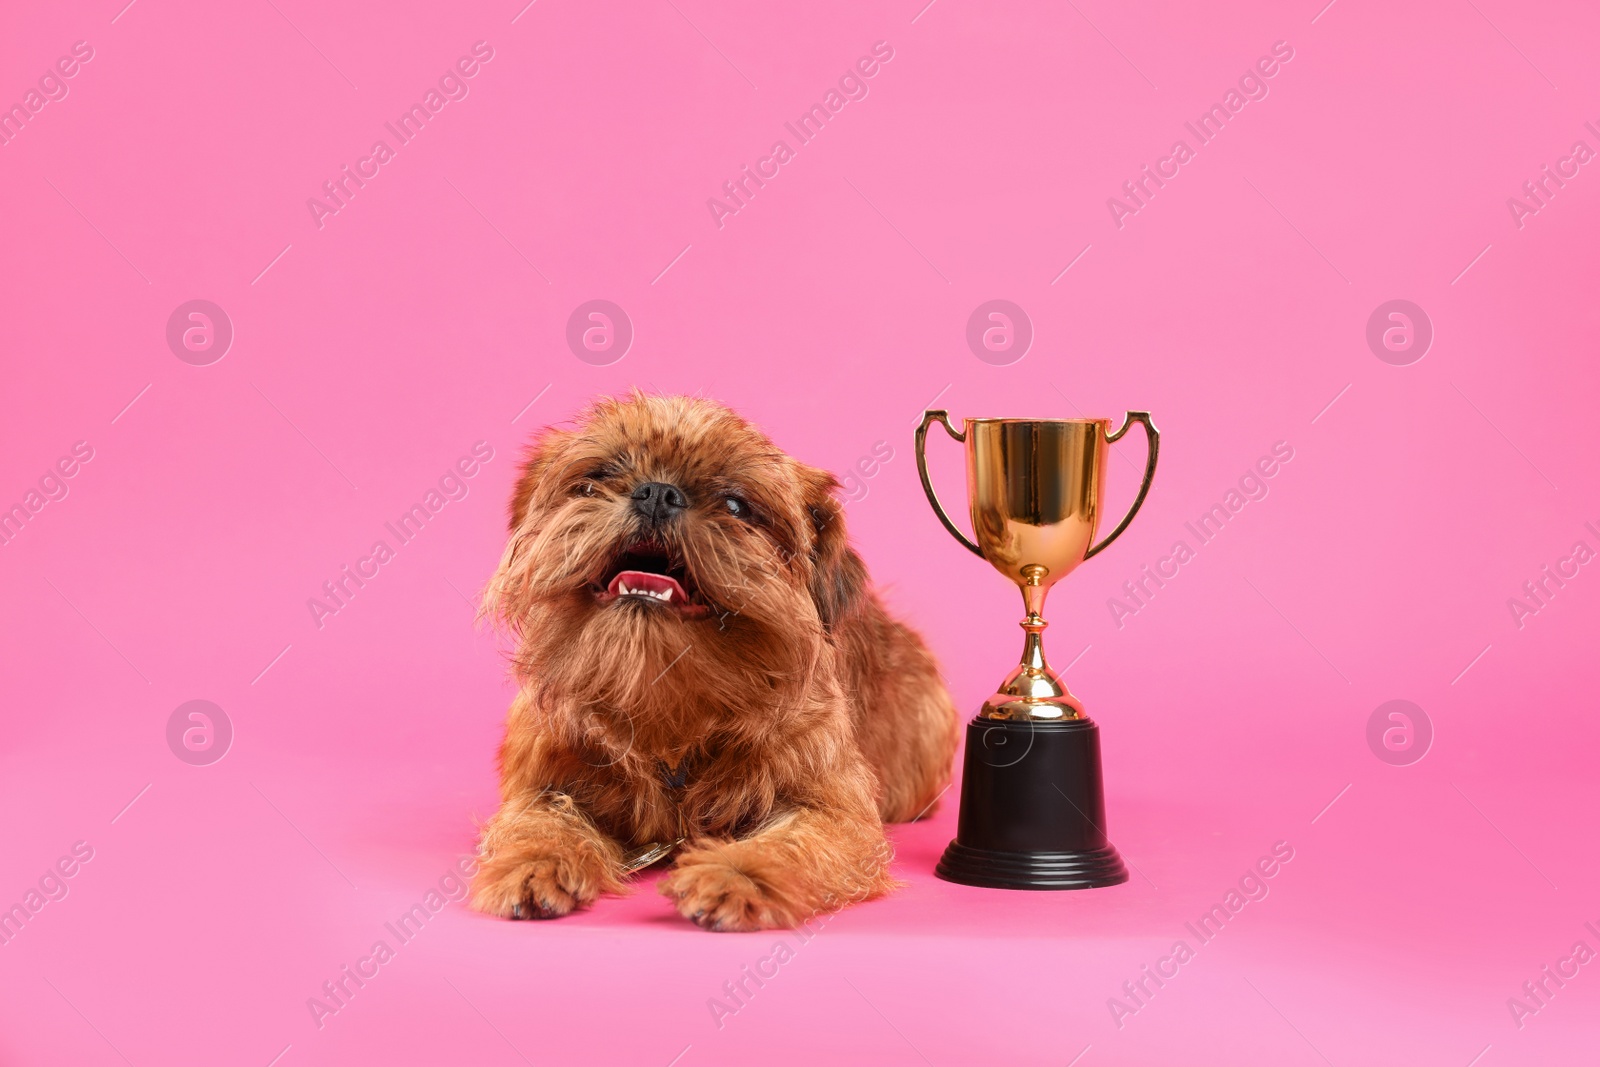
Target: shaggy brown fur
776,716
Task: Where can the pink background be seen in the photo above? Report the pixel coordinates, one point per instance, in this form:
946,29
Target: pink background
371,353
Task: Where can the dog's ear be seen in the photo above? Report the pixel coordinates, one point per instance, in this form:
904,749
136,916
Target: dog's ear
838,577
536,459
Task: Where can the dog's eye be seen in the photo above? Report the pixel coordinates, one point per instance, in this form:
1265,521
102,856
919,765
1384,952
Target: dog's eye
737,507
587,487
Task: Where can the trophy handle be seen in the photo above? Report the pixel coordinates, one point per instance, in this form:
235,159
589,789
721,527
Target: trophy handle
1149,471
943,417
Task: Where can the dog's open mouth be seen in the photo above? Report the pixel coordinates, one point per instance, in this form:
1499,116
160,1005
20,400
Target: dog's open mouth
648,573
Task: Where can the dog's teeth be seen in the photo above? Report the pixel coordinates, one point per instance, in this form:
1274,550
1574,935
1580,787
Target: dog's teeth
624,589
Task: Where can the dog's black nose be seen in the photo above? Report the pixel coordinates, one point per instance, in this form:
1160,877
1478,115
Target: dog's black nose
657,501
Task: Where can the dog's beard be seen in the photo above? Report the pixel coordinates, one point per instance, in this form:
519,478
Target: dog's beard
614,669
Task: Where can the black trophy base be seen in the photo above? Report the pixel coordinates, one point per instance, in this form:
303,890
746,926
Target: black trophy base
1032,809
1031,870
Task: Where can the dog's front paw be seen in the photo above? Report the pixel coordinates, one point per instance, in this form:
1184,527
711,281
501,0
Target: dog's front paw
710,888
533,886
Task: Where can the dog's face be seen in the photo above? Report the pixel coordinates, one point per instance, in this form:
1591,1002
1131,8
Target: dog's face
665,528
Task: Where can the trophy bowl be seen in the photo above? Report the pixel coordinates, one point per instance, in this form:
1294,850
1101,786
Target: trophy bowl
1032,805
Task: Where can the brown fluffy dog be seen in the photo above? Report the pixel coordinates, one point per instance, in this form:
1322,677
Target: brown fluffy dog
699,657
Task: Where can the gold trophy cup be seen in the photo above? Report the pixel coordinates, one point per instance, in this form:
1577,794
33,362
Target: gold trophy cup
1032,806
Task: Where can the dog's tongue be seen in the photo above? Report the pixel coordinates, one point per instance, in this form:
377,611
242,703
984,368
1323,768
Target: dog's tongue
658,586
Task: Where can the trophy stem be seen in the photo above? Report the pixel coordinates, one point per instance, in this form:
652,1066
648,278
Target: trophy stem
1033,624
1033,692
1033,644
